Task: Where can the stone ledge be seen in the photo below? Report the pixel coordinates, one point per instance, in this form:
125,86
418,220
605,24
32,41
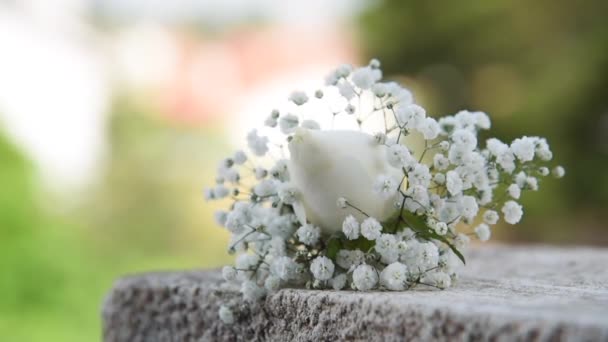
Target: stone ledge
505,293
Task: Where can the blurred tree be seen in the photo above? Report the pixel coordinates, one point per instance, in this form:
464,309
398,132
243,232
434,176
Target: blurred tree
539,68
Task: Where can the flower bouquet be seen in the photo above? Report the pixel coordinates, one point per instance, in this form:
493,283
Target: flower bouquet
389,202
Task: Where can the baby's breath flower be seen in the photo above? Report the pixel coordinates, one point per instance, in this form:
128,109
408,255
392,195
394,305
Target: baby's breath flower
365,77
399,156
251,291
490,217
308,234
288,123
441,228
322,268
239,157
346,90
280,208
257,144
371,228
394,276
512,212
229,273
483,232
287,193
523,148
385,186
298,97
365,277
272,283
461,241
338,282
350,227
341,202
453,182
350,109
559,172
514,191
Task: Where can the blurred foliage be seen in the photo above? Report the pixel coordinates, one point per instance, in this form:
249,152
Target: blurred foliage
538,68
146,213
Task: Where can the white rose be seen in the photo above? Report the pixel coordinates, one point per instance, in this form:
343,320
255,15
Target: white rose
327,165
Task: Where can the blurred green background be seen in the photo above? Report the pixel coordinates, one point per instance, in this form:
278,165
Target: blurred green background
159,92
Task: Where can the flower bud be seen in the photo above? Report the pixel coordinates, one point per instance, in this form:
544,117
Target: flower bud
328,165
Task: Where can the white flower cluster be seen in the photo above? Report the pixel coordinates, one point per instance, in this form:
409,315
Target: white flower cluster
447,189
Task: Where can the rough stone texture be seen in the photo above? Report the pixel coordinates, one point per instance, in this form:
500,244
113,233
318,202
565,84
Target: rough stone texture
526,293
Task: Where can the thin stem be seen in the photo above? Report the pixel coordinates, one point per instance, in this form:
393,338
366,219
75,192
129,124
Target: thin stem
354,207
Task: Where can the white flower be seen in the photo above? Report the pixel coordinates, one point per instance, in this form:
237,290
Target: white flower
410,116
284,268
429,128
483,232
464,139
265,188
226,315
341,203
514,191
523,148
338,282
344,175
350,109
220,191
288,123
394,277
308,234
512,212
468,207
257,144
398,94
420,175
350,227
440,162
365,277
220,217
490,217
298,97
421,256
322,268
239,157
453,182
271,122
346,90
348,258
229,273
399,156
441,228
260,173
288,193
385,186
559,172
461,241
251,291
365,77
440,279
371,228
272,283
387,247
482,120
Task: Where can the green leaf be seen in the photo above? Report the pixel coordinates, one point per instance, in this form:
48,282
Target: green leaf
419,225
333,246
